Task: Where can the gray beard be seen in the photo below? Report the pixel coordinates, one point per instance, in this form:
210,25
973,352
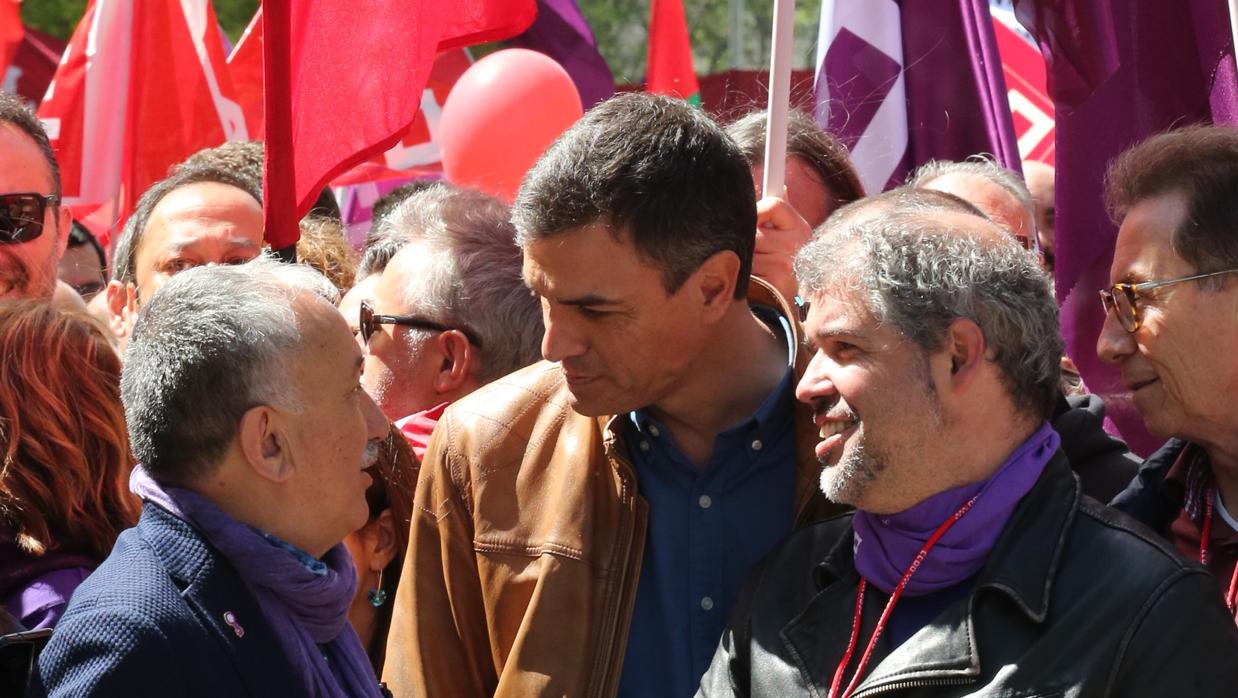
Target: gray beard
846,482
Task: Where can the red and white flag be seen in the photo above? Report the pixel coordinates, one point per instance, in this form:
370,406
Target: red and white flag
140,87
320,119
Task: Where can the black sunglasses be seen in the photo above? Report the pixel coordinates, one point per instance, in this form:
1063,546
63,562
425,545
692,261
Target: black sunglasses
21,216
370,322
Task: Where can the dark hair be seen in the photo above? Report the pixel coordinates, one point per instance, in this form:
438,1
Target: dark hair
1201,164
387,202
79,235
806,140
657,172
16,111
124,258
395,480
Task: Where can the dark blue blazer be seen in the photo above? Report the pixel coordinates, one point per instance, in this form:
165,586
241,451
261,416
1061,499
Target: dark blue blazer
164,615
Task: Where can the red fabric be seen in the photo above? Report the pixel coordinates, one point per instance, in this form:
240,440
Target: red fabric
321,119
11,33
155,90
245,67
670,52
418,427
36,61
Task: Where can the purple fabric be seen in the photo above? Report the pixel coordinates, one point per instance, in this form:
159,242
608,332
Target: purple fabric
307,611
41,603
886,545
35,589
561,32
1119,72
954,87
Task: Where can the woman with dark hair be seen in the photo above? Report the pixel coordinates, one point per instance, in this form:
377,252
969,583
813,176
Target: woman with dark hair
378,547
65,458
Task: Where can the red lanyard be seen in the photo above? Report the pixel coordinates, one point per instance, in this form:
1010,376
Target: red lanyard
885,615
1232,594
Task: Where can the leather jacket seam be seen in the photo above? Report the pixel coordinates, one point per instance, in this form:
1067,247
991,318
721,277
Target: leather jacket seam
528,550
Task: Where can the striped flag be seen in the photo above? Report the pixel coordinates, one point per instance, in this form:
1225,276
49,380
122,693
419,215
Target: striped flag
902,82
670,53
140,87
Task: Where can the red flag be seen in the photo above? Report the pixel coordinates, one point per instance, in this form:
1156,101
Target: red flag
141,86
11,33
321,119
670,53
245,66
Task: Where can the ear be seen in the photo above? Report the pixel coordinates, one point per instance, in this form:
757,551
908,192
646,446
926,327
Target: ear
64,219
715,281
965,349
459,359
382,540
122,307
264,444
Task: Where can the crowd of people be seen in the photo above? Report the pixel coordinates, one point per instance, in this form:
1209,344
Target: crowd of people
645,431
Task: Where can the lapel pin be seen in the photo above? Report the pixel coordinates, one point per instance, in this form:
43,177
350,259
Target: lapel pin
230,619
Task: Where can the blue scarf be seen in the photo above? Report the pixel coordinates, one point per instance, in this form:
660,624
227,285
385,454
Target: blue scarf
886,545
306,605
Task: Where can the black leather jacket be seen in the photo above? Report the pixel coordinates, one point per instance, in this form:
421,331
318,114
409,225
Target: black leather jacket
1076,600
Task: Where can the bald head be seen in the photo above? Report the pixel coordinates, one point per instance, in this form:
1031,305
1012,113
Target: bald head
1001,206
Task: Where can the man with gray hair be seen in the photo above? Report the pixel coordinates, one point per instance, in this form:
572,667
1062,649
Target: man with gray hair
936,368
206,212
450,312
244,407
999,192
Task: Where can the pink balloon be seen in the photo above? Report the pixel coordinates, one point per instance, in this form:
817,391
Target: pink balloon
501,116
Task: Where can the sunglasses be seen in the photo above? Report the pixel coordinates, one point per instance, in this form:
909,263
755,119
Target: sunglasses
1121,300
21,216
370,322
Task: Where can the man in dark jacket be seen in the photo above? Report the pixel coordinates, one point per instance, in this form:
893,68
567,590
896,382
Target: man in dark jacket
972,563
244,406
1170,326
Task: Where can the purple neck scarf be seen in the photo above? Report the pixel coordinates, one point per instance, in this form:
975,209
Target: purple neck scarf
307,610
886,545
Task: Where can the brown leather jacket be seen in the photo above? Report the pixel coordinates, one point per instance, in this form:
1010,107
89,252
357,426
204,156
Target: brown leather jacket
526,542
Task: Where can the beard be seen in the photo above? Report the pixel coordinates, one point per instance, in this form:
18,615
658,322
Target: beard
856,471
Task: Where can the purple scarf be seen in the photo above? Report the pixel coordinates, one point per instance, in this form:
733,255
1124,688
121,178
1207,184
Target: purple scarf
886,545
308,611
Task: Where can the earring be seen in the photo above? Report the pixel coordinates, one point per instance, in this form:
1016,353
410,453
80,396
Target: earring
377,595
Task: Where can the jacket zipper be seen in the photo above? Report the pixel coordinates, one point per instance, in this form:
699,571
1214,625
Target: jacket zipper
609,659
913,683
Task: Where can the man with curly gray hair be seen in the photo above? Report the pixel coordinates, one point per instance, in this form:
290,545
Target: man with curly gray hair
935,373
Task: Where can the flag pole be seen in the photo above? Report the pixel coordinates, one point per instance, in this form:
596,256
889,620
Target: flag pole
780,96
1233,28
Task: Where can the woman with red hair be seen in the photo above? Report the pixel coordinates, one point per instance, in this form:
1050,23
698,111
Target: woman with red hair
65,458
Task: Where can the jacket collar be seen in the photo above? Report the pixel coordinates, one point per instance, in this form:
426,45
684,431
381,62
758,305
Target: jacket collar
221,600
1022,567
810,504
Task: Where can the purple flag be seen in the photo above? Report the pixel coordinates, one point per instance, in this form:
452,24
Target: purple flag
902,82
560,31
1119,71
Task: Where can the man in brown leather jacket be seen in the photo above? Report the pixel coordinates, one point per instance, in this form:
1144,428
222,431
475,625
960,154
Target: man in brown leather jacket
973,564
582,527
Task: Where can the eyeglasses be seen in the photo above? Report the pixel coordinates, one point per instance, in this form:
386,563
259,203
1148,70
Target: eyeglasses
370,322
21,216
1120,299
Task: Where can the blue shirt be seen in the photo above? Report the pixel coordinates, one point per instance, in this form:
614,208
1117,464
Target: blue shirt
707,528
